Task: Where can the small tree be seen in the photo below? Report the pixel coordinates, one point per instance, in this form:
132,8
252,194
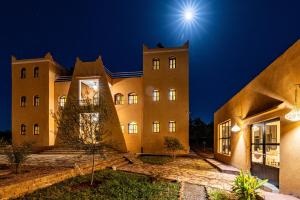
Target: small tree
82,125
173,145
16,154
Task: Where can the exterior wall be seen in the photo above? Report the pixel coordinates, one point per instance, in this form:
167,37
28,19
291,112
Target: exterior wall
270,95
130,113
165,110
30,87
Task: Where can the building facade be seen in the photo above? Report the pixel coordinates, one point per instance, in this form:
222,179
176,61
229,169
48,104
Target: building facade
256,131
146,105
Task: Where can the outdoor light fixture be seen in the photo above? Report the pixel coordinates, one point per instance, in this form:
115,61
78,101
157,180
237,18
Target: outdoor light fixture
294,114
235,128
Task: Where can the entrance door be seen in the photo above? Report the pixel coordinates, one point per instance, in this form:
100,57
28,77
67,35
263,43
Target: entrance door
265,150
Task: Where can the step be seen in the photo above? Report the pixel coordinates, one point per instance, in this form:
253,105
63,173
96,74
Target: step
228,169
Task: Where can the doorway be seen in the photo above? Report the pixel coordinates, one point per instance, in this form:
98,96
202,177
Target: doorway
265,150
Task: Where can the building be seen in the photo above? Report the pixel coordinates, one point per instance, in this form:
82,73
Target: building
255,130
147,105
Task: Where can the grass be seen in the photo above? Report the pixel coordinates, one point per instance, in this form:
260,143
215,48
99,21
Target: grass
156,160
108,185
217,194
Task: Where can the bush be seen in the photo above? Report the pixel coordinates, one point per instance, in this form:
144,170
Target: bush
172,144
218,195
245,186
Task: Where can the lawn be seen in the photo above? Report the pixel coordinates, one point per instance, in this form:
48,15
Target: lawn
156,160
110,184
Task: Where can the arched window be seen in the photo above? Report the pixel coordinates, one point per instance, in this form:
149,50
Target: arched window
23,101
62,101
119,99
23,129
155,95
132,98
172,62
36,100
36,129
172,94
172,126
132,127
36,72
23,73
155,63
156,127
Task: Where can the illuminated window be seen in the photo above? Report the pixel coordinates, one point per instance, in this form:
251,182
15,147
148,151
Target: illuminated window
155,64
123,128
132,98
23,73
23,101
23,129
36,100
155,127
155,95
132,127
36,72
224,137
119,99
172,94
62,101
172,126
36,129
172,62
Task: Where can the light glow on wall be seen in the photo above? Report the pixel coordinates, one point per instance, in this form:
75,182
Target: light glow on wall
235,128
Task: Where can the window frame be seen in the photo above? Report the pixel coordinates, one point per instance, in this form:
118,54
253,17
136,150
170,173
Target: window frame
23,73
36,72
132,98
172,126
227,124
119,101
36,129
155,95
156,127
155,63
62,100
172,62
132,128
23,103
23,129
172,94
36,100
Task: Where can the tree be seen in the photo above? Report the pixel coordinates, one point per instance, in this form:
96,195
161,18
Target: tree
16,154
173,145
82,125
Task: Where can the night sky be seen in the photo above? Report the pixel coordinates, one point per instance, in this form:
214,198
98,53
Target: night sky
233,41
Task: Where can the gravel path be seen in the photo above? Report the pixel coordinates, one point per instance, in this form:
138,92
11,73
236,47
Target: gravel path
193,192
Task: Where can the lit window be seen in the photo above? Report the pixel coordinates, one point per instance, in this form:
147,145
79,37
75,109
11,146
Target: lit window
62,101
36,129
155,64
132,98
119,99
23,101
23,129
172,126
224,137
172,94
172,62
36,72
155,95
123,128
36,100
132,127
155,127
23,73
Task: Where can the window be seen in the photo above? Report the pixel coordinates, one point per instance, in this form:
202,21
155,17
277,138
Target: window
36,129
23,129
132,98
155,127
155,95
23,73
23,101
132,127
172,94
119,99
89,91
224,138
155,64
62,101
172,126
36,100
172,62
36,72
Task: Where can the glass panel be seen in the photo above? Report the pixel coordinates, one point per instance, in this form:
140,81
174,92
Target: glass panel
273,132
273,155
257,153
257,134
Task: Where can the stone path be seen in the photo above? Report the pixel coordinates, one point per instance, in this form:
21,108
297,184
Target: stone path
193,192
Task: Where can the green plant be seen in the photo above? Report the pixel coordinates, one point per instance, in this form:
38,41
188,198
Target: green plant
172,144
218,195
245,186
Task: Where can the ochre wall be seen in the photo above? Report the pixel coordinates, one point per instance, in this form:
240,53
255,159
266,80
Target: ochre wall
165,110
274,86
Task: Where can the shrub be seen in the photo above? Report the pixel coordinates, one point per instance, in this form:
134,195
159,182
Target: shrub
172,144
245,186
218,195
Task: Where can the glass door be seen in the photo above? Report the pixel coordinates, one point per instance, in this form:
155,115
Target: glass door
265,150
